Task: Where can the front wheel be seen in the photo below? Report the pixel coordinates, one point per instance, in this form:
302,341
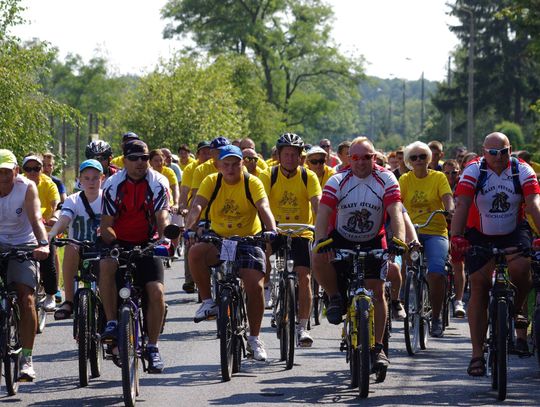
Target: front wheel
289,319
83,336
226,334
363,350
12,351
412,319
96,347
502,348
128,355
425,313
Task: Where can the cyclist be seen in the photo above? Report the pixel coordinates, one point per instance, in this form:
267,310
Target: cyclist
20,217
50,198
249,143
423,191
437,154
231,213
135,207
185,157
361,197
81,212
332,159
118,162
343,155
48,168
489,210
210,166
315,160
294,194
169,162
157,161
250,161
101,151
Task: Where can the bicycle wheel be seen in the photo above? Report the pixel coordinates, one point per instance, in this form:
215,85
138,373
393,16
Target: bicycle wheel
41,313
83,335
352,356
502,348
226,334
412,320
425,314
241,328
13,351
536,332
129,360
289,319
96,347
363,350
317,302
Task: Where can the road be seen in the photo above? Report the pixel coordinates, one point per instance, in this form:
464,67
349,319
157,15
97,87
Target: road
436,376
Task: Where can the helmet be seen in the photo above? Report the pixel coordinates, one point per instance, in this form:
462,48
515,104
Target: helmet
290,140
98,147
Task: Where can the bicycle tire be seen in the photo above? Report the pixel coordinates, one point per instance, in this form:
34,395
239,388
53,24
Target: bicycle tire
226,333
502,348
317,302
412,319
40,312
241,324
290,321
536,332
425,314
353,363
83,335
96,347
363,350
13,352
128,355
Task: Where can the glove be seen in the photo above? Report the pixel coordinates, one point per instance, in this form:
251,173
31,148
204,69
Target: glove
536,244
397,246
459,246
270,235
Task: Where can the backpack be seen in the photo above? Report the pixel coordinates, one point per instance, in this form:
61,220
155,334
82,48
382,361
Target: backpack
274,175
482,178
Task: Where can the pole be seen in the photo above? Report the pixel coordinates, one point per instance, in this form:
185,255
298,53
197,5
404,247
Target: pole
63,148
422,110
450,112
403,123
470,83
77,145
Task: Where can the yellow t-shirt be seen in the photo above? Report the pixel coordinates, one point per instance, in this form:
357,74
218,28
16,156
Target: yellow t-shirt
231,213
261,164
201,172
171,177
47,193
290,198
189,161
118,161
421,196
328,172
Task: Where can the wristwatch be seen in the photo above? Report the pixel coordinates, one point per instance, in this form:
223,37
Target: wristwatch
42,243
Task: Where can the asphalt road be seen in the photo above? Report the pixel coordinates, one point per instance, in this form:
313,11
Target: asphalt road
436,376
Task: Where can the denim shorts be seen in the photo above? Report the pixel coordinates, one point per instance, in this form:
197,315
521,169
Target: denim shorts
436,252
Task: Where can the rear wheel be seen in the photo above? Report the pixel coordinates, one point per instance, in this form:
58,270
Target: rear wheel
412,320
363,351
502,348
128,356
289,320
13,351
226,334
83,336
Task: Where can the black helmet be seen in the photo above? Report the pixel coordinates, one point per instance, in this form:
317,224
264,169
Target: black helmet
290,140
98,147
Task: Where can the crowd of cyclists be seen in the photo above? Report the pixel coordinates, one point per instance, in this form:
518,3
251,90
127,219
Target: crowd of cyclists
357,194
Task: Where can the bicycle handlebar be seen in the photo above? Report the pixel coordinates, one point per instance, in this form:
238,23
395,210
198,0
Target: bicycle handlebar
294,228
21,253
429,219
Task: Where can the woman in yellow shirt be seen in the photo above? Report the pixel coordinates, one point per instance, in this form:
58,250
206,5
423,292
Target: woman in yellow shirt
157,162
423,191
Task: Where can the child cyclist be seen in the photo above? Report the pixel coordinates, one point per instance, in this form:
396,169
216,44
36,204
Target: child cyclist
82,213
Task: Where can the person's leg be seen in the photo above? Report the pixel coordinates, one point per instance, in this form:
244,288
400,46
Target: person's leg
253,285
69,270
48,272
381,308
155,310
478,307
459,279
28,322
201,257
519,269
324,273
107,287
436,251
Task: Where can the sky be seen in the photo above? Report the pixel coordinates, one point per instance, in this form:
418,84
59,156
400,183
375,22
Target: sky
398,38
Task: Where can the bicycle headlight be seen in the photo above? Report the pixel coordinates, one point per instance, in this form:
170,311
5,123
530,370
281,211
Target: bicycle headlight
415,255
290,265
124,293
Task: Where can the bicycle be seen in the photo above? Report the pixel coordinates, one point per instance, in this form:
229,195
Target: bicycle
417,304
230,298
284,315
132,336
358,333
10,344
88,314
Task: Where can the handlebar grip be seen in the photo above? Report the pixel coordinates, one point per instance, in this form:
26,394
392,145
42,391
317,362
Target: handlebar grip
322,245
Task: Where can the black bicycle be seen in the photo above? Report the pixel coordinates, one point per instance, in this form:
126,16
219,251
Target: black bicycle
88,314
10,344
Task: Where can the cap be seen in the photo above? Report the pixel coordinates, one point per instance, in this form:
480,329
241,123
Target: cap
230,151
219,142
203,144
7,159
315,150
32,158
135,147
129,136
90,164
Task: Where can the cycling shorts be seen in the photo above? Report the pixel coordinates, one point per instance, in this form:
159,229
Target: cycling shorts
522,235
300,249
25,272
248,256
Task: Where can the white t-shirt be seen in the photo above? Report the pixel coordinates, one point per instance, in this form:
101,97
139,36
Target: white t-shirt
82,227
16,228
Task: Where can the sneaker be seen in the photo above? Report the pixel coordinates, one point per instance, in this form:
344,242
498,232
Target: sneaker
436,328
58,297
268,297
207,310
155,364
334,311
398,312
48,303
26,369
381,360
304,338
110,334
255,347
189,287
459,309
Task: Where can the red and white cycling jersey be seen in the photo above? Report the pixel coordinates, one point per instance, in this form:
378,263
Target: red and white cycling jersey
497,208
361,203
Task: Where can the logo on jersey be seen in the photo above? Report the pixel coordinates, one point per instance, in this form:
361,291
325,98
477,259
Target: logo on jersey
18,211
419,198
288,199
230,208
359,222
500,203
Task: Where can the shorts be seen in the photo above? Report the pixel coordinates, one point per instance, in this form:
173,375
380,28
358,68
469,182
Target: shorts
522,235
436,251
248,256
376,269
26,272
300,249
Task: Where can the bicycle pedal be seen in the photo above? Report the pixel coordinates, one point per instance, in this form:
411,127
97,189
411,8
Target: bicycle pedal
25,379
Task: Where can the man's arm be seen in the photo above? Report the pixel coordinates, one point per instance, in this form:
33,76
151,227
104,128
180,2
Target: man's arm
448,202
459,220
60,226
532,202
263,207
315,205
106,226
198,205
162,220
395,212
321,225
410,231
32,206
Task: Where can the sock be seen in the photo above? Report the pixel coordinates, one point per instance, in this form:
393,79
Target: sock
26,352
302,323
112,321
208,301
252,338
152,345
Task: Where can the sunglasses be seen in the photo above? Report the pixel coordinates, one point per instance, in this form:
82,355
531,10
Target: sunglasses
358,157
454,172
325,146
315,162
144,157
101,157
495,152
419,156
32,169
255,159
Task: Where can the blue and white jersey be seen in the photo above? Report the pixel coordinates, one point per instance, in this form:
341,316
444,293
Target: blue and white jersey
82,227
